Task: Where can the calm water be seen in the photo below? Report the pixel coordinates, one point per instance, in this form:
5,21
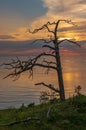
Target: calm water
24,91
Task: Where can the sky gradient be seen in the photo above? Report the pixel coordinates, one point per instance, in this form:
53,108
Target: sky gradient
16,16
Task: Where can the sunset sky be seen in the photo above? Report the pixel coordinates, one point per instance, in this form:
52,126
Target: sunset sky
16,16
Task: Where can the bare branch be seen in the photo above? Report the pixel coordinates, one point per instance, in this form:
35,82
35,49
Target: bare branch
48,86
67,21
19,66
43,40
45,26
45,66
20,121
69,41
53,23
48,29
49,62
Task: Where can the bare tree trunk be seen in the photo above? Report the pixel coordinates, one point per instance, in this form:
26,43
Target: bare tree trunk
59,74
58,62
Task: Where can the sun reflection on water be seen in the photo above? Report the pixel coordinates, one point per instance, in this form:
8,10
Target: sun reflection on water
74,74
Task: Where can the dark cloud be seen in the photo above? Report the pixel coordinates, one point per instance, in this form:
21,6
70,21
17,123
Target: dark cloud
74,48
4,37
82,2
18,47
27,47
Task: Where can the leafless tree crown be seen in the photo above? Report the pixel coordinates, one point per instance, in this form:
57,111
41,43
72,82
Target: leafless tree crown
17,66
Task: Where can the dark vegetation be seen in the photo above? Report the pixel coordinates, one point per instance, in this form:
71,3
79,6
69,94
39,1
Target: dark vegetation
54,115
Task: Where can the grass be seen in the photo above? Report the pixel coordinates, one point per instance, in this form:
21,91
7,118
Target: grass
68,115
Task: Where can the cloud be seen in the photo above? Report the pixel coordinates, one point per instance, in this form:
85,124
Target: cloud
81,1
72,9
6,37
19,48
63,9
54,5
56,9
70,49
29,49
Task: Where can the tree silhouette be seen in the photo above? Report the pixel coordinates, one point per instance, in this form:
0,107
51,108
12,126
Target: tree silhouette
52,43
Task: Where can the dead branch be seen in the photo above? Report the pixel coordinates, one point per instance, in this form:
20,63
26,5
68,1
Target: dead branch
48,112
43,40
19,66
48,86
16,73
70,41
49,62
66,21
45,26
46,66
21,121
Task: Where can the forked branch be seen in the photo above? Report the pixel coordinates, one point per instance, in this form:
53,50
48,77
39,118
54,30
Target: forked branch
52,23
45,26
17,66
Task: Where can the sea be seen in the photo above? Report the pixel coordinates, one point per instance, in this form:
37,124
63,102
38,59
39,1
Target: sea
14,93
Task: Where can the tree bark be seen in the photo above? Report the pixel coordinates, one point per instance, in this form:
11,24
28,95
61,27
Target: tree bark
59,75
58,63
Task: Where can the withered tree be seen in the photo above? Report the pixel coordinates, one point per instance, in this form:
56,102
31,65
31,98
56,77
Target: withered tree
51,43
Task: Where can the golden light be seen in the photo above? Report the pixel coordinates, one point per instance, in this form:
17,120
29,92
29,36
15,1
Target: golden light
68,76
62,38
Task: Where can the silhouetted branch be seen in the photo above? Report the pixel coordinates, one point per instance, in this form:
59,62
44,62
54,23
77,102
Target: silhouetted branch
43,40
67,21
17,66
45,26
48,86
49,62
69,41
45,66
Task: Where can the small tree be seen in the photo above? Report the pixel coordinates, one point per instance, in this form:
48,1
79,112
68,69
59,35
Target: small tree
52,43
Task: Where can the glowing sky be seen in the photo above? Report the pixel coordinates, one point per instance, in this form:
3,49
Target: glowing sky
16,16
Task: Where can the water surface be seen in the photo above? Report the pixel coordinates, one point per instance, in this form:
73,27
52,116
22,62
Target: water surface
23,90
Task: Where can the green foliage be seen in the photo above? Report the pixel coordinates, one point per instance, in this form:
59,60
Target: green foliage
68,115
